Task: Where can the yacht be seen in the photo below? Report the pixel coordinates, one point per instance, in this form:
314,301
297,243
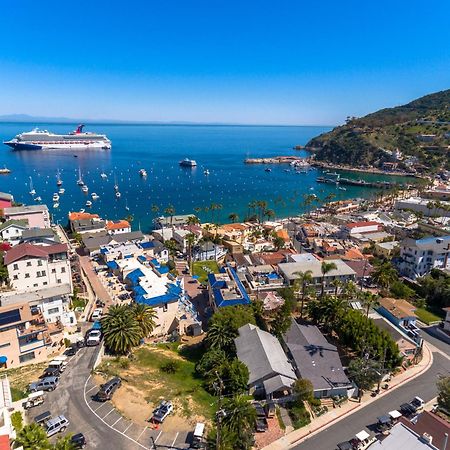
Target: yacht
143,173
55,197
45,140
103,175
94,196
61,191
186,162
80,181
118,194
5,171
85,189
32,190
88,203
56,205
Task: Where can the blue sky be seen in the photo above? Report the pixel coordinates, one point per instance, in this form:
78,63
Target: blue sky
269,62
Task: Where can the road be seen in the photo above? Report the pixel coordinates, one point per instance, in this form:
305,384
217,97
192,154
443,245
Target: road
423,386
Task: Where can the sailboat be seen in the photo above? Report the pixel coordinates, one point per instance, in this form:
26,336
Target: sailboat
126,205
32,190
116,186
80,181
103,175
58,179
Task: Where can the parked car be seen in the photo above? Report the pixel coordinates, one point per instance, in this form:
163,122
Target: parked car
417,403
107,390
34,399
162,411
58,364
78,440
198,440
50,372
93,338
261,420
72,350
41,418
97,314
407,410
58,424
46,384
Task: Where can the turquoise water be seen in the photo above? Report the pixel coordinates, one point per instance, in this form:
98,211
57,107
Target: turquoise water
158,149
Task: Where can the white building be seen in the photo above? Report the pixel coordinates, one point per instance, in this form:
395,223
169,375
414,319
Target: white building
11,230
37,266
118,226
424,206
362,227
37,215
419,257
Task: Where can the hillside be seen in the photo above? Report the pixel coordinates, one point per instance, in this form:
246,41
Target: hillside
420,130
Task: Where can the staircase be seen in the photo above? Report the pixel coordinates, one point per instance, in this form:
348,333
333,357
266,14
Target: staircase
328,402
5,398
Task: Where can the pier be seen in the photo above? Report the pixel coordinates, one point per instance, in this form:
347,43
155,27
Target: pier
274,160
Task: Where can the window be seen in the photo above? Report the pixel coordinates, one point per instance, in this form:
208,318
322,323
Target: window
27,357
53,311
58,280
35,285
63,270
15,277
43,273
40,262
28,263
45,283
53,270
16,267
165,307
27,275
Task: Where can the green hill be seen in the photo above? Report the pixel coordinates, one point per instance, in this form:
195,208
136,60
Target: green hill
420,130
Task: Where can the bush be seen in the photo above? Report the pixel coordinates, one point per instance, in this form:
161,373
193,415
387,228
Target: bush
17,394
67,343
315,402
299,415
169,367
124,363
17,421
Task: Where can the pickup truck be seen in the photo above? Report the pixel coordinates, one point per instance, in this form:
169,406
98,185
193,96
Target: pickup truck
162,411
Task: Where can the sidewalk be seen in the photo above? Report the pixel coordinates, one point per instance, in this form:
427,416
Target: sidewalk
337,414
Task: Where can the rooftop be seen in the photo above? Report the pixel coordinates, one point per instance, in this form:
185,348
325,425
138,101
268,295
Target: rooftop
82,215
290,269
19,222
362,224
227,288
27,209
34,251
399,308
117,224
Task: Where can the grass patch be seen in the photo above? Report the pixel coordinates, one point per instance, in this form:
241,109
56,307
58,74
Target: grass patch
299,415
18,394
78,303
198,268
426,316
148,373
280,419
21,377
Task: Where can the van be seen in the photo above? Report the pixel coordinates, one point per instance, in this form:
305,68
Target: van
198,439
46,384
107,390
58,424
57,364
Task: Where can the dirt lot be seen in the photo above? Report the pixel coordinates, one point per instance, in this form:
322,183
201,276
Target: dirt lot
21,377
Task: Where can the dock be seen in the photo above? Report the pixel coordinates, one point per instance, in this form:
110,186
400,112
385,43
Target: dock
273,160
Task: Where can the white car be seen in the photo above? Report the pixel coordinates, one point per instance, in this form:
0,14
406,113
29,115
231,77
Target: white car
97,314
93,338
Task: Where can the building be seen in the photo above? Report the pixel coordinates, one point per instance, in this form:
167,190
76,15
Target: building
38,266
385,249
418,258
423,206
43,236
343,273
317,361
226,289
11,230
92,242
25,337
362,227
263,277
80,226
270,372
401,313
37,215
447,319
6,200
118,226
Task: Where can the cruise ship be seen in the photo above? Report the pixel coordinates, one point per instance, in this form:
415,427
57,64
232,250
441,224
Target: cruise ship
45,140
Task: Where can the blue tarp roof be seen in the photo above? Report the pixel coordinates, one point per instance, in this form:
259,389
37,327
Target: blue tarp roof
159,300
128,256
163,269
3,359
135,275
139,290
147,244
217,285
142,258
112,265
103,251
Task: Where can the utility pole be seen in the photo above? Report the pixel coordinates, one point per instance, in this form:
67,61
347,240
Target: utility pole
218,386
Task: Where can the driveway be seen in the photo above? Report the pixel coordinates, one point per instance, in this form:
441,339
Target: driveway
424,386
102,425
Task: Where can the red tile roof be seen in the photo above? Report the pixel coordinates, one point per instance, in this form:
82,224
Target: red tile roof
117,224
37,251
82,215
362,224
4,442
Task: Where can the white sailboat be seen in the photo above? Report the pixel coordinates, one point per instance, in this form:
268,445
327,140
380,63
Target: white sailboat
116,186
58,178
32,190
80,181
126,205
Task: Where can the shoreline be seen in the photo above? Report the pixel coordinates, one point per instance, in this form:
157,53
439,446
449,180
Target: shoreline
273,160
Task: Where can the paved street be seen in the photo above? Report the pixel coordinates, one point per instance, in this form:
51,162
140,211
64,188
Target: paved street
102,425
423,386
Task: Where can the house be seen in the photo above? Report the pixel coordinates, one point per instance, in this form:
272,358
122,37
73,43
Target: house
11,230
401,313
385,249
6,200
43,236
155,250
173,221
271,301
283,234
226,289
92,225
92,242
362,227
419,257
317,361
38,266
343,273
25,337
263,277
362,268
37,215
447,319
423,206
118,226
270,372
208,250
407,346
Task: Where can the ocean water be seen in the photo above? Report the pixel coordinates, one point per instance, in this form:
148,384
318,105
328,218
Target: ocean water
158,149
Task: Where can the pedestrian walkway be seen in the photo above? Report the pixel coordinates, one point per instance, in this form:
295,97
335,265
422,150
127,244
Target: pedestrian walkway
337,414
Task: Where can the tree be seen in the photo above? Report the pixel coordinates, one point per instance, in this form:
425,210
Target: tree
221,335
303,281
145,317
336,284
233,217
303,389
170,211
32,437
384,275
364,372
210,361
278,242
368,300
325,268
239,420
444,393
190,239
282,320
120,329
236,376
64,443
172,247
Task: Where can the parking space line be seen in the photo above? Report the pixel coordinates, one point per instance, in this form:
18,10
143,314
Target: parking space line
91,389
117,421
141,433
126,429
103,404
173,443
112,409
157,437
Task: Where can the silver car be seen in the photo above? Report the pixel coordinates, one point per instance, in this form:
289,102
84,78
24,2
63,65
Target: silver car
58,424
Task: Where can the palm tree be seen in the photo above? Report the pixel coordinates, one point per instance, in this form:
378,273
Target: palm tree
65,443
384,274
170,211
325,268
171,246
190,239
154,209
304,280
269,213
145,317
233,217
221,335
121,330
368,300
32,437
337,284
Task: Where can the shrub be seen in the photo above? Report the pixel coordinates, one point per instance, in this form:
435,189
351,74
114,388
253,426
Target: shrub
124,363
67,343
17,421
169,367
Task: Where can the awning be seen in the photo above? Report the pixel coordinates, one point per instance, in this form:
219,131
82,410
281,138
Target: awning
395,414
3,359
384,419
362,435
112,265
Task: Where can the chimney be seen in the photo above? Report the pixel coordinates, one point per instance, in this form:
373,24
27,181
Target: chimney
445,441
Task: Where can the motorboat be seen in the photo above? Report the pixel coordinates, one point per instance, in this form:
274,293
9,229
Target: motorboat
59,182
37,199
85,189
268,170
94,196
56,205
143,173
61,191
32,190
118,194
206,172
88,203
186,162
55,197
103,175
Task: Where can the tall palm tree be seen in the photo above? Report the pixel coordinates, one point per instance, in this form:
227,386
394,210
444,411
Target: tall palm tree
171,246
269,213
336,283
384,274
325,268
368,300
170,211
221,335
302,282
233,217
155,209
65,443
32,437
145,317
190,240
121,330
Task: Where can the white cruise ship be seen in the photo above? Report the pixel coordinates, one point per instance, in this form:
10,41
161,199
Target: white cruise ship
45,140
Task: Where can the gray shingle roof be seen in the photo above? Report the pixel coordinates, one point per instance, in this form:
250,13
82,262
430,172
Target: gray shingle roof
262,354
317,360
96,240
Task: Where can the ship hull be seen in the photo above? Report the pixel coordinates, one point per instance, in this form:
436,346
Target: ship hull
58,146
